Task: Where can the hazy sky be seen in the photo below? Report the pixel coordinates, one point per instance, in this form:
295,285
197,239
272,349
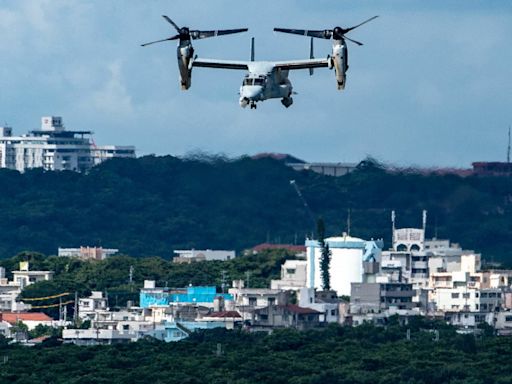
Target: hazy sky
431,86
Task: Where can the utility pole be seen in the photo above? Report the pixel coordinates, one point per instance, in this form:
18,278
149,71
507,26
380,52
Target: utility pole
223,280
247,278
349,211
508,148
75,314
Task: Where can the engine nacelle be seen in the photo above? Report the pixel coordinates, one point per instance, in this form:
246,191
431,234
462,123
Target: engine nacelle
339,61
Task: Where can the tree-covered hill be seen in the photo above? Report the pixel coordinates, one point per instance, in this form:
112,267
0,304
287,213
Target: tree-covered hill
152,205
342,355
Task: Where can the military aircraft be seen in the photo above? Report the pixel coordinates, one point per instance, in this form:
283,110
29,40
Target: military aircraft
339,55
265,79
185,49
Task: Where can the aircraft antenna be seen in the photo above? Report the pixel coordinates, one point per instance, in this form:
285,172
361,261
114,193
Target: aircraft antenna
252,49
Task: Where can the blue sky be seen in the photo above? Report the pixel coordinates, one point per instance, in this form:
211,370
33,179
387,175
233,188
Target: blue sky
432,86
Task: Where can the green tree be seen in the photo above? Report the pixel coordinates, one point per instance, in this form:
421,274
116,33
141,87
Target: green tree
325,259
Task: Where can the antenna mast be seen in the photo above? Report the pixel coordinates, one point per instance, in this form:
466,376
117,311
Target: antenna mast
508,148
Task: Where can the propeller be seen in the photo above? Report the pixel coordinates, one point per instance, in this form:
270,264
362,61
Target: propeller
184,33
337,33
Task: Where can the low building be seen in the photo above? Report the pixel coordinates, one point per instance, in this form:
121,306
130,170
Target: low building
89,306
293,276
151,295
328,169
285,316
88,253
25,277
189,256
378,297
30,319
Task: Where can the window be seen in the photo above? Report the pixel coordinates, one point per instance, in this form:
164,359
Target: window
333,312
252,301
259,81
248,81
271,301
455,295
465,295
290,271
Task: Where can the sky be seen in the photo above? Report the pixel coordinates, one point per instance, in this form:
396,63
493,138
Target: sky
431,87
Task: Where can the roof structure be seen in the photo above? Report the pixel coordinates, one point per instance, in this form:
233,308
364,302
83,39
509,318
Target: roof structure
13,317
224,314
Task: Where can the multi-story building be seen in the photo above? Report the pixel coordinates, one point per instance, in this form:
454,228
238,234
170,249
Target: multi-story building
191,255
87,253
54,148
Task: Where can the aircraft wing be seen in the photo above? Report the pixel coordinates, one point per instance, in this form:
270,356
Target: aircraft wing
224,64
302,64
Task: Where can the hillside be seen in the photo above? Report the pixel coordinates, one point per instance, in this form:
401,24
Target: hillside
151,205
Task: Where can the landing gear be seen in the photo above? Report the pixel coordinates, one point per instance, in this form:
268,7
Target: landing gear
287,101
253,105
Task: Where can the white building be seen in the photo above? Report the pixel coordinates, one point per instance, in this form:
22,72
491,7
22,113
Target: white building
54,148
89,307
88,253
346,265
293,276
190,255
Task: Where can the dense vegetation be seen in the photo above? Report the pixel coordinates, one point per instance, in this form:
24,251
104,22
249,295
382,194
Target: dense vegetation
112,275
364,354
151,205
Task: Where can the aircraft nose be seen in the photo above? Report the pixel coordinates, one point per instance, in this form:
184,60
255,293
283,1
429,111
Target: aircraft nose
252,92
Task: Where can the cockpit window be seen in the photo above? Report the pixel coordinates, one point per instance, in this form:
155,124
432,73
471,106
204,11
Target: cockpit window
259,81
248,81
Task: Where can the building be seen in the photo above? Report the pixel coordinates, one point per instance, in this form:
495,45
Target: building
346,265
24,277
189,256
492,168
87,253
293,276
328,169
89,306
30,319
285,316
379,297
151,295
54,148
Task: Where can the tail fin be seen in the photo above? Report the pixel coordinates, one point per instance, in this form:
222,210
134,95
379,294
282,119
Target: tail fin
252,49
311,56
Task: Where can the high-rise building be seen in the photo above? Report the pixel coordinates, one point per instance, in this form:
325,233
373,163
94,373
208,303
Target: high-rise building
54,148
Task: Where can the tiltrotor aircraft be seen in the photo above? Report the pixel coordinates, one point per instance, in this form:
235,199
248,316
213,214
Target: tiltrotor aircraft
339,57
265,79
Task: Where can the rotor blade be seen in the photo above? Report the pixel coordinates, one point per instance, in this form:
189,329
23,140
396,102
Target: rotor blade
171,22
358,25
205,34
161,41
323,34
352,40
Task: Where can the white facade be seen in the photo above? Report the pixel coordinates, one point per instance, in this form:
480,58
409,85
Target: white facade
346,265
54,148
293,276
189,255
86,253
89,306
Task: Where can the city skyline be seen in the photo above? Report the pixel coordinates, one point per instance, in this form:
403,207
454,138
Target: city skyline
430,87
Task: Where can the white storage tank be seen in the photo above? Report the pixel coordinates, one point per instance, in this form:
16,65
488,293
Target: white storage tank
346,266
